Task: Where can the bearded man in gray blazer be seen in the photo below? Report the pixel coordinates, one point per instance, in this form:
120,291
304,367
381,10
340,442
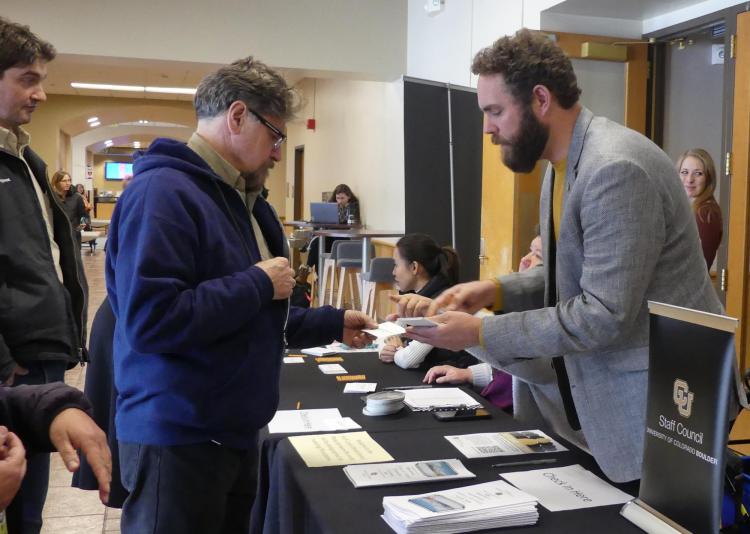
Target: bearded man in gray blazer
617,231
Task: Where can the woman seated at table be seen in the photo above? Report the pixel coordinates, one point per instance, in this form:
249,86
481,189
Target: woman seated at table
698,175
427,269
494,385
348,205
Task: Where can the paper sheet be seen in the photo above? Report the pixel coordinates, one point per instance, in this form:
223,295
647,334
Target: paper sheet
504,443
386,329
294,359
331,369
567,488
323,450
431,398
296,421
360,387
337,348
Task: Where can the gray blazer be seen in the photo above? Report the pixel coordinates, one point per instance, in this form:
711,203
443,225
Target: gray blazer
627,235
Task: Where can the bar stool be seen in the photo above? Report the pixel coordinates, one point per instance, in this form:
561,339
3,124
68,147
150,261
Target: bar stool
329,267
349,261
379,277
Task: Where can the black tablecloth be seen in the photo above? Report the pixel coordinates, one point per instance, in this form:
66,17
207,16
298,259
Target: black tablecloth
296,499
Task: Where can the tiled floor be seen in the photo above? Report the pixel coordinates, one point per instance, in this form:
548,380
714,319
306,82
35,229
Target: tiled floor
69,510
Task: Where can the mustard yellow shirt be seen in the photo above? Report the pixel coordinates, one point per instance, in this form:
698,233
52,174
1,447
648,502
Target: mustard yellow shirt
558,192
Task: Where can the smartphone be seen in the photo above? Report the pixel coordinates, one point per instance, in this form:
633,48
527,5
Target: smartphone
415,321
462,415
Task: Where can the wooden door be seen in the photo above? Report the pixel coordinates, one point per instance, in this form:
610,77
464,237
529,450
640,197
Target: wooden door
510,201
739,214
299,181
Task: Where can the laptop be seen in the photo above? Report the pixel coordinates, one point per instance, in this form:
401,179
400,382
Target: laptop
324,212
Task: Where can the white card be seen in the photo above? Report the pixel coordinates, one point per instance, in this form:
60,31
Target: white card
294,359
360,387
567,488
385,330
331,369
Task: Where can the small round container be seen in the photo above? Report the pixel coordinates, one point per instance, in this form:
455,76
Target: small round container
383,403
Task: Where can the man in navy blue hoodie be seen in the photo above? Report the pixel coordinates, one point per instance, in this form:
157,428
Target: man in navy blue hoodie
198,277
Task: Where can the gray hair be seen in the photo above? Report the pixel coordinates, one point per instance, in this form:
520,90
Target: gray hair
250,81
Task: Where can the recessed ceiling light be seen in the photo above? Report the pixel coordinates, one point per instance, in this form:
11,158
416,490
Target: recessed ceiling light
134,88
107,87
136,144
142,121
95,124
172,90
108,142
92,119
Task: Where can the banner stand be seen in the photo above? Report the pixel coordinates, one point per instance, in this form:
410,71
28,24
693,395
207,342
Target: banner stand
692,382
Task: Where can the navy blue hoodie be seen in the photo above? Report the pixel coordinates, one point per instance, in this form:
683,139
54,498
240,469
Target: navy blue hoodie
198,339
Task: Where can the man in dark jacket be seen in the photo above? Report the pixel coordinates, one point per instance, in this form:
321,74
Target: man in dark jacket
41,296
199,281
45,418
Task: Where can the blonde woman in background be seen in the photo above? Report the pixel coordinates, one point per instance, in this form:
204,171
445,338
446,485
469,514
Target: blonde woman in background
72,203
698,175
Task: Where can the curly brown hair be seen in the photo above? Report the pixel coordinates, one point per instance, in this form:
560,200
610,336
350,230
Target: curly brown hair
19,47
527,59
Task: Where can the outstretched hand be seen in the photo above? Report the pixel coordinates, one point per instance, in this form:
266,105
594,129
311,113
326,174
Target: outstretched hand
72,429
455,331
354,323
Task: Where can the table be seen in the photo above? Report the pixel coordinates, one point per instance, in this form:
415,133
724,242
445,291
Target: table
297,499
353,233
319,226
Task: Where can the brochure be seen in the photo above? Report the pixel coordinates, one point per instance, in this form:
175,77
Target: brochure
504,443
366,475
482,506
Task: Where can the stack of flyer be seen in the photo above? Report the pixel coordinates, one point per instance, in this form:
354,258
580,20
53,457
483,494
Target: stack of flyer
482,506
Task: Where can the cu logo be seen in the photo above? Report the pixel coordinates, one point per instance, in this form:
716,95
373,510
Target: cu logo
682,398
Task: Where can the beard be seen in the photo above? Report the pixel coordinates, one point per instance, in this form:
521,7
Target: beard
522,153
254,181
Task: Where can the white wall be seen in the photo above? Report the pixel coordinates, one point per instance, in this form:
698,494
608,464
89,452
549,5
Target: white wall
440,46
367,36
689,13
359,141
612,27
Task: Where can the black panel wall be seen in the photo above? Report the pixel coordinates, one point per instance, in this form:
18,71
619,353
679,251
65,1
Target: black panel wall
427,153
466,121
427,161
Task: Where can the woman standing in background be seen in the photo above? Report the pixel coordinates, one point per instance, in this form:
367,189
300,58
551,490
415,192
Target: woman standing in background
71,202
698,176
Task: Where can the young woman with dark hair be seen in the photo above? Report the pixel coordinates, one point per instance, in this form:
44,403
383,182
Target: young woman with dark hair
425,268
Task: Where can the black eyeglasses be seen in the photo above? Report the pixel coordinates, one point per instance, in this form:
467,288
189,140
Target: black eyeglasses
280,136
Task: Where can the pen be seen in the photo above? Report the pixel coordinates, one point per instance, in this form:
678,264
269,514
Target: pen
393,388
299,403
526,462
